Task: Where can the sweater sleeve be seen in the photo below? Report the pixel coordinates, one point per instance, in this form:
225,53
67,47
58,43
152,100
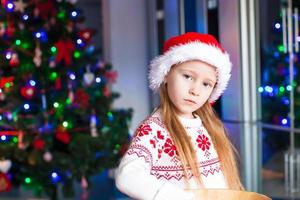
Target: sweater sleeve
134,179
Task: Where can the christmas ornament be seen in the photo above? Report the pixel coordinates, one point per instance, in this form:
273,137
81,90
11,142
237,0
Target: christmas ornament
2,95
65,49
47,156
10,30
62,135
70,26
106,91
21,144
88,76
57,85
86,34
32,158
81,98
45,9
5,165
2,29
19,6
93,124
37,56
111,76
5,185
28,92
14,60
83,183
39,144
71,93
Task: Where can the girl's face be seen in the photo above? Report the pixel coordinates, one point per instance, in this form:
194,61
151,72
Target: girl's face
189,85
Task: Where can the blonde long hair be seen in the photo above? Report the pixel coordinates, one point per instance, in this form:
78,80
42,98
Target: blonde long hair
185,148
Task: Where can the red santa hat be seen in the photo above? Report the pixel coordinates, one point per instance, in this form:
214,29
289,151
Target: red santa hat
192,46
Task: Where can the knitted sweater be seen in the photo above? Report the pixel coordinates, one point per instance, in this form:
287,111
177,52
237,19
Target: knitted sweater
151,169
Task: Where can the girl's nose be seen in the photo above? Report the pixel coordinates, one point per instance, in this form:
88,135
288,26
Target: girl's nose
194,91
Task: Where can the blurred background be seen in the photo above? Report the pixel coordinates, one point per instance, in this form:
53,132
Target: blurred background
74,86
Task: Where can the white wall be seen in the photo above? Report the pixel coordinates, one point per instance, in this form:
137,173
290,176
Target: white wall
125,46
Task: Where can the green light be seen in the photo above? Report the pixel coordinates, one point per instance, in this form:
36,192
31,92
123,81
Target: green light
65,124
68,101
77,54
53,49
109,114
18,42
25,45
61,14
53,76
7,85
280,48
56,105
15,140
27,180
294,84
281,89
117,146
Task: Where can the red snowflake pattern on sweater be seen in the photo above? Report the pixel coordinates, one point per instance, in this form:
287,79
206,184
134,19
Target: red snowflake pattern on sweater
170,148
143,130
203,142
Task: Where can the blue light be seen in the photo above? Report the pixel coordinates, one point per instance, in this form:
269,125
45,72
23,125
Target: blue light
74,14
260,89
79,41
277,26
54,175
26,106
284,121
3,137
269,89
288,88
1,117
98,80
38,35
10,6
25,17
8,55
72,76
276,54
32,82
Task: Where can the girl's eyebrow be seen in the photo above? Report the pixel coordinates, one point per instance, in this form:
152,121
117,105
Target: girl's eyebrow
195,73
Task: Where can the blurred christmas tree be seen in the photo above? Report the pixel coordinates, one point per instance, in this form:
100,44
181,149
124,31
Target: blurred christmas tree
275,86
57,125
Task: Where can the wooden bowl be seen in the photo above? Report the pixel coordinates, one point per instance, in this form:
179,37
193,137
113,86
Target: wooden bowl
223,194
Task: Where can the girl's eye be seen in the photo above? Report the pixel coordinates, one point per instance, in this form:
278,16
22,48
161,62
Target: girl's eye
187,76
207,84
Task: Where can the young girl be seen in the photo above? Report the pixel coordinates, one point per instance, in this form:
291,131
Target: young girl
182,145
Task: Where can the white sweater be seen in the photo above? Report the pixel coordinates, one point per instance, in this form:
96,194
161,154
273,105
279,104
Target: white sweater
151,169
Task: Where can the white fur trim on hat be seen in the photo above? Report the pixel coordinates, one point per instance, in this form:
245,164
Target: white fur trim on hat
161,65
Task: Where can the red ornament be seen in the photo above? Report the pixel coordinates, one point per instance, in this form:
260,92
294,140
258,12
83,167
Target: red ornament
5,80
106,91
86,34
39,144
81,98
28,92
57,85
123,149
5,185
14,61
111,76
62,135
45,9
10,30
65,49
